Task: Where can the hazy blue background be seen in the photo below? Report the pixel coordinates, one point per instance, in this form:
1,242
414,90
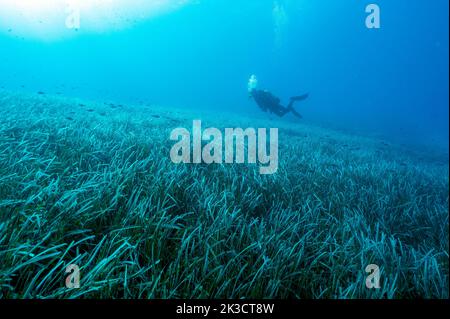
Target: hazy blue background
392,81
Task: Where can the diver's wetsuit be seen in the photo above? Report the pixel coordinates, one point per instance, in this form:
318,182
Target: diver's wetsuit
268,102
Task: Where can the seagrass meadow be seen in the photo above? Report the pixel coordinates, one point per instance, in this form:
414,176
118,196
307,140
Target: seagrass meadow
92,184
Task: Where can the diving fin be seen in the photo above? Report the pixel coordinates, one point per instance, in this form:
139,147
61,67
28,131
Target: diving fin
296,99
300,98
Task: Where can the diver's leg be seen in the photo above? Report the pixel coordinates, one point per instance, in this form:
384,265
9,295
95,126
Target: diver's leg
296,113
297,99
291,105
281,111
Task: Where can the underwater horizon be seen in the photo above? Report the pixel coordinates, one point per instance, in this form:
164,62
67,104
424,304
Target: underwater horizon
117,153
390,82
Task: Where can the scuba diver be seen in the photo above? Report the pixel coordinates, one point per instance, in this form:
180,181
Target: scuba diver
270,103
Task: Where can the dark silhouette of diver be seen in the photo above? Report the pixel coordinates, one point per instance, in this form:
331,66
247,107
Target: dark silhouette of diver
270,103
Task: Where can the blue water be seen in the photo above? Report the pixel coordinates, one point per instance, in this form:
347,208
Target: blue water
391,81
